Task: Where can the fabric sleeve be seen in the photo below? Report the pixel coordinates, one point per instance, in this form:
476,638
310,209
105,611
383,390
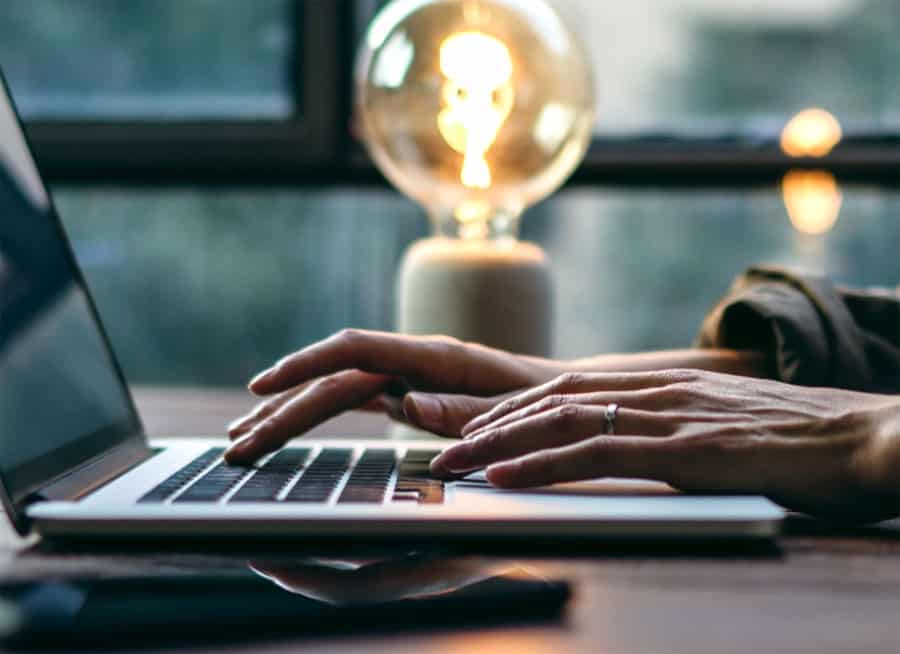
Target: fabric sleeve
814,332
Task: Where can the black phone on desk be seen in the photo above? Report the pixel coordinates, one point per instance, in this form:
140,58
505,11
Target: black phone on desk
266,601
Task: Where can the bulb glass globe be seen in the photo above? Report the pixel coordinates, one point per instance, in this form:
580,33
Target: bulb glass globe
477,109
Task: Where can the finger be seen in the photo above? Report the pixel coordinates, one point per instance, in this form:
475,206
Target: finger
322,400
638,457
263,410
391,406
574,384
561,426
426,361
443,414
650,399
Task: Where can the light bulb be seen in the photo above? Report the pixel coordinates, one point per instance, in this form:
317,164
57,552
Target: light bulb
477,109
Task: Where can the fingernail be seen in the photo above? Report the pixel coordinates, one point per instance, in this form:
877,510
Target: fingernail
453,460
232,454
235,425
260,377
473,427
426,409
237,453
467,429
437,469
475,433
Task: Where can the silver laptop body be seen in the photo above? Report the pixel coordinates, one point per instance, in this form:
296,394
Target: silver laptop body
74,460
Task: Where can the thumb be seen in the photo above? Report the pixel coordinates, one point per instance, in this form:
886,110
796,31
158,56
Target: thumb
445,414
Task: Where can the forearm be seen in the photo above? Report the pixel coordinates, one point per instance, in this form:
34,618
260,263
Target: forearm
734,362
879,464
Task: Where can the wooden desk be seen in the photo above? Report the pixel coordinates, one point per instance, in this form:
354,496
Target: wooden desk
827,591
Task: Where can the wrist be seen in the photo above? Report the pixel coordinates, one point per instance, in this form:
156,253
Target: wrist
745,363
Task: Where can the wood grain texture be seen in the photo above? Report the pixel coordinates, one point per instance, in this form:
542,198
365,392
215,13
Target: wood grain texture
822,590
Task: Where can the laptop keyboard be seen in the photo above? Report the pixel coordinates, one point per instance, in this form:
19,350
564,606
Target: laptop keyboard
295,475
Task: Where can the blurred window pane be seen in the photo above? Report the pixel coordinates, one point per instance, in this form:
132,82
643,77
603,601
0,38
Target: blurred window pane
710,65
147,59
205,288
717,65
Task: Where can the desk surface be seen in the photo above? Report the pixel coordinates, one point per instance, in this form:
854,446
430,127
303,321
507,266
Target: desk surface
826,591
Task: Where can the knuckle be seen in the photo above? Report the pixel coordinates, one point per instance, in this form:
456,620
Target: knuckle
506,406
446,341
570,380
447,353
567,415
675,394
550,402
325,385
349,337
685,390
488,442
450,350
601,446
682,375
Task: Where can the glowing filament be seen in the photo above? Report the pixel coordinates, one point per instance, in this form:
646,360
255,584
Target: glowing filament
477,99
813,200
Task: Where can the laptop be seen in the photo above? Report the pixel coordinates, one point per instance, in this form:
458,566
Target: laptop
76,463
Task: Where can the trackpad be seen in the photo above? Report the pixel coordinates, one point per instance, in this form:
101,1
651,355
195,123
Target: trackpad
628,499
591,488
579,496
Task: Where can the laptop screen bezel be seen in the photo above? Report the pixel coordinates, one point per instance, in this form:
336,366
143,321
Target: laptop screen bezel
38,472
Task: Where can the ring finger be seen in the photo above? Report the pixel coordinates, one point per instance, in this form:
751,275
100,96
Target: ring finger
645,400
552,428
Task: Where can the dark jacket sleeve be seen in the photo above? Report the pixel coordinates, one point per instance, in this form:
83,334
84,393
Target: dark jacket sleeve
815,333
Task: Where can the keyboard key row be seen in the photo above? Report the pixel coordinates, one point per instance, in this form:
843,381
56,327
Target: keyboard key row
370,477
321,477
270,480
184,476
368,481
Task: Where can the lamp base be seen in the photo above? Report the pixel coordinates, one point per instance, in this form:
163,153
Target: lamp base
496,294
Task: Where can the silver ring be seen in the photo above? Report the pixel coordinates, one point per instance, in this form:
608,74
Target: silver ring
611,411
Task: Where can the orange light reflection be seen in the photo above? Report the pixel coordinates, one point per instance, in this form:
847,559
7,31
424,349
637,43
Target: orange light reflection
813,200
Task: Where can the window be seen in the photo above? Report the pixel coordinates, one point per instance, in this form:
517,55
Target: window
208,166
706,66
148,59
206,287
160,91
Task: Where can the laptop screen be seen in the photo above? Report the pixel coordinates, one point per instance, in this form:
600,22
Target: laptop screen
62,397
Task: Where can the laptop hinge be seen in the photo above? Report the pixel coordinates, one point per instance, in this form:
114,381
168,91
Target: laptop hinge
97,472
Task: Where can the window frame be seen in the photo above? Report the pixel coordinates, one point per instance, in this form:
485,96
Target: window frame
216,150
314,147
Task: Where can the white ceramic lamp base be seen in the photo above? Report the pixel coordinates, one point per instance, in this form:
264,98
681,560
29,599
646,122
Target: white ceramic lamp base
499,294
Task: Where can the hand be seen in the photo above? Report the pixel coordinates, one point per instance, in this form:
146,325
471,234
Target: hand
822,451
411,576
376,371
